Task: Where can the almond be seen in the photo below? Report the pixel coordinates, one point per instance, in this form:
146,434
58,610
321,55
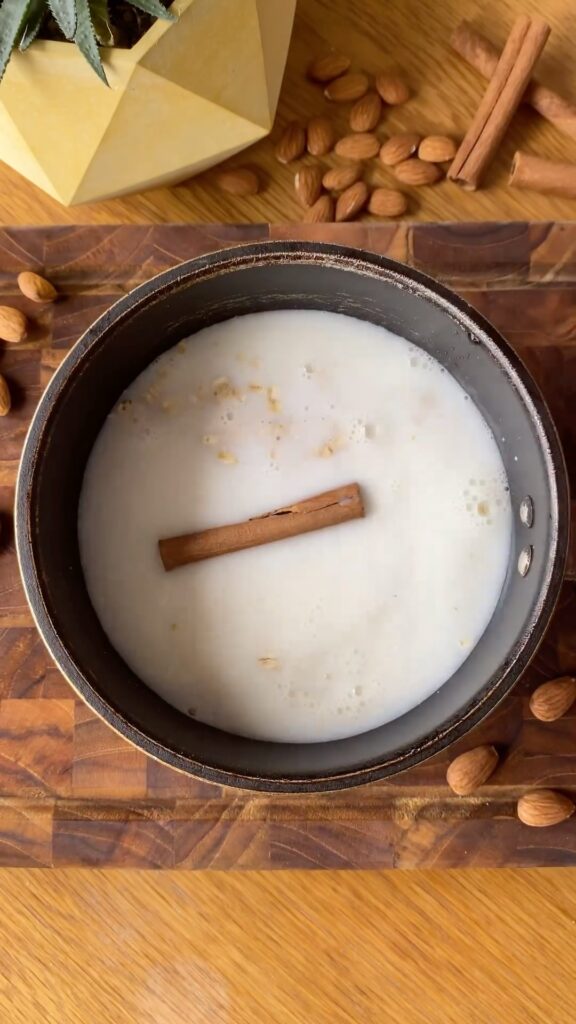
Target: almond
322,212
332,65
36,288
471,770
366,113
387,202
348,88
392,89
552,700
13,324
399,148
5,400
339,178
308,184
292,143
358,146
238,181
320,136
543,807
417,172
437,149
351,201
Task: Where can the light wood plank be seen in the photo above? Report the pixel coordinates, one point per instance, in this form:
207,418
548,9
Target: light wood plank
411,34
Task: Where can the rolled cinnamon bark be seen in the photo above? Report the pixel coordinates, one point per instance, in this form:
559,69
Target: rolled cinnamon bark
327,509
503,95
549,176
479,52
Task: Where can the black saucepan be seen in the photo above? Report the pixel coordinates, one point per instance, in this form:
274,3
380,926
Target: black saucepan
243,280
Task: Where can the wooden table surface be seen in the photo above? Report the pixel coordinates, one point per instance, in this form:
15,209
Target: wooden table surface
489,947
475,947
410,35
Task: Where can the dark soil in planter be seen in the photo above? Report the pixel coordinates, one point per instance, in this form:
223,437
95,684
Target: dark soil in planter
128,24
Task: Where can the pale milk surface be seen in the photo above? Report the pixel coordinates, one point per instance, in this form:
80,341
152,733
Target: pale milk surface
319,636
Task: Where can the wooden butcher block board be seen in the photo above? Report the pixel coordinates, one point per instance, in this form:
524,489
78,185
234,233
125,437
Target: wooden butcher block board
72,792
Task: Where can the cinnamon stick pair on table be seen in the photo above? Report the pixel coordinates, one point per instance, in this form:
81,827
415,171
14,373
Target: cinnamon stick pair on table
528,171
479,52
503,95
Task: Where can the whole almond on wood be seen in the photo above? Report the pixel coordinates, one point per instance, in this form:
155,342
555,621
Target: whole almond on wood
322,212
320,136
348,88
332,65
470,770
13,324
292,143
366,113
308,184
351,201
392,89
544,807
238,181
417,172
387,202
437,149
36,288
358,146
553,699
5,400
399,147
339,178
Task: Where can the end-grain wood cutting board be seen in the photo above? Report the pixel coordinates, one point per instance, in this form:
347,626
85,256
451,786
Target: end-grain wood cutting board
73,792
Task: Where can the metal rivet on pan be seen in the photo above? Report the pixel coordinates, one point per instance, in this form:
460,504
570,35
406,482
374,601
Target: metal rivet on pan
525,559
526,511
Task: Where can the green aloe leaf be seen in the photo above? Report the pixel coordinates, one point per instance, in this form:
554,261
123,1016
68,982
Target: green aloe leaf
101,21
65,13
155,8
87,22
35,15
85,39
12,15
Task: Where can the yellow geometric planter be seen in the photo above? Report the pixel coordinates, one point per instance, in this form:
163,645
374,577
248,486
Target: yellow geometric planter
189,94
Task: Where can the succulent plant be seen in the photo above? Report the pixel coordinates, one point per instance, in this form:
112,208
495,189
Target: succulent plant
84,22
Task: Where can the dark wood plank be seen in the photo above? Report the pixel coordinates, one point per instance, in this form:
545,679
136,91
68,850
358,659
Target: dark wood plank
20,249
96,842
14,611
104,763
494,255
36,738
553,253
164,783
26,834
27,670
205,843
95,258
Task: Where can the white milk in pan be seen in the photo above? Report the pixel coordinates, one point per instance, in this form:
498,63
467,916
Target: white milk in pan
324,635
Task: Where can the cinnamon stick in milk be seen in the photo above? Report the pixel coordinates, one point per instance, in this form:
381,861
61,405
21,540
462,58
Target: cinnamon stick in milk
503,95
479,52
327,509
